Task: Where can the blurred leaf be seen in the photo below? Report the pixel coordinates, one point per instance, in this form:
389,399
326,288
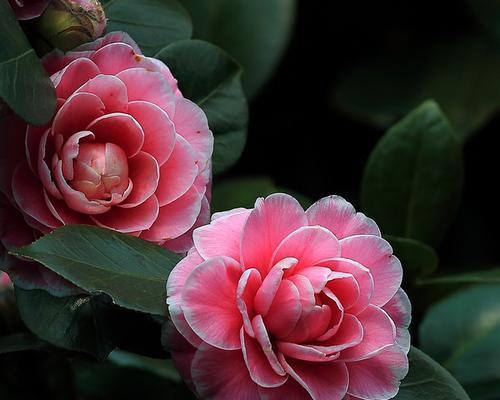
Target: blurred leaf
99,382
462,74
20,342
163,368
82,323
130,270
254,32
427,380
242,192
491,276
418,259
153,24
24,84
463,333
487,13
412,182
484,390
211,78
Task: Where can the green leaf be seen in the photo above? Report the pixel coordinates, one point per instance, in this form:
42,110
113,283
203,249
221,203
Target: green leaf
153,24
463,333
255,32
428,380
413,179
490,276
24,84
211,78
131,271
242,192
20,342
82,323
461,73
418,259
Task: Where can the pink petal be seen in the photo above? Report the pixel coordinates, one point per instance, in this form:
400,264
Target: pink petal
75,115
191,122
178,173
144,174
379,333
375,254
267,291
74,75
175,218
222,237
209,302
44,172
305,352
111,90
306,292
291,390
307,244
28,194
120,129
222,375
132,219
179,320
112,37
159,130
69,152
223,214
258,365
63,213
326,380
262,336
148,86
272,219
248,285
285,310
318,276
350,333
345,287
340,217
177,278
399,309
158,66
116,57
30,9
378,377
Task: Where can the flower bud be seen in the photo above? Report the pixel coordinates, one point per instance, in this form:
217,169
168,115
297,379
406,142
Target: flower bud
66,24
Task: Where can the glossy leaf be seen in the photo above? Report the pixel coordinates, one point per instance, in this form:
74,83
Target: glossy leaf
255,32
462,332
131,271
153,24
20,342
490,276
24,84
428,380
211,78
412,182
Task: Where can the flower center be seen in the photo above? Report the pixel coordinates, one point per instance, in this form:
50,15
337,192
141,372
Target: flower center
100,170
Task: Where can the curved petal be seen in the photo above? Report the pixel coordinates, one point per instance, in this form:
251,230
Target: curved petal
379,333
44,172
262,336
345,287
306,292
144,174
74,75
291,390
179,320
222,237
326,380
63,213
272,219
222,375
112,37
378,377
159,131
120,129
29,9
375,254
132,219
305,352
177,278
318,276
340,217
28,194
248,285
399,309
350,333
116,57
285,310
209,302
307,244
70,151
175,218
111,90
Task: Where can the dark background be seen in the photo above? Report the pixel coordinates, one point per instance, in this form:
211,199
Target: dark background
299,139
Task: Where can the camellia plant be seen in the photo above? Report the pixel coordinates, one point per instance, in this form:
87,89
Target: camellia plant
135,264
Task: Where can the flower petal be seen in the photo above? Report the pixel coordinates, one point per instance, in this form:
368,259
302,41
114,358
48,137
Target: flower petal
74,75
285,310
304,352
248,285
144,174
399,309
111,90
177,278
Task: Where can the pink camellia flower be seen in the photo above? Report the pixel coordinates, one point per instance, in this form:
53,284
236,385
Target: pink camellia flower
281,303
28,9
4,280
125,150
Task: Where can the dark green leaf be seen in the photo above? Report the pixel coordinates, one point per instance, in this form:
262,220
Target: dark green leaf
462,74
418,259
24,84
491,276
82,323
254,32
484,390
153,24
413,179
131,271
211,78
428,380
487,13
463,333
20,342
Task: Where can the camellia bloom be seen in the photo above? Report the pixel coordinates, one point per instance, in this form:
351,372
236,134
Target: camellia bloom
4,279
125,150
281,303
28,9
